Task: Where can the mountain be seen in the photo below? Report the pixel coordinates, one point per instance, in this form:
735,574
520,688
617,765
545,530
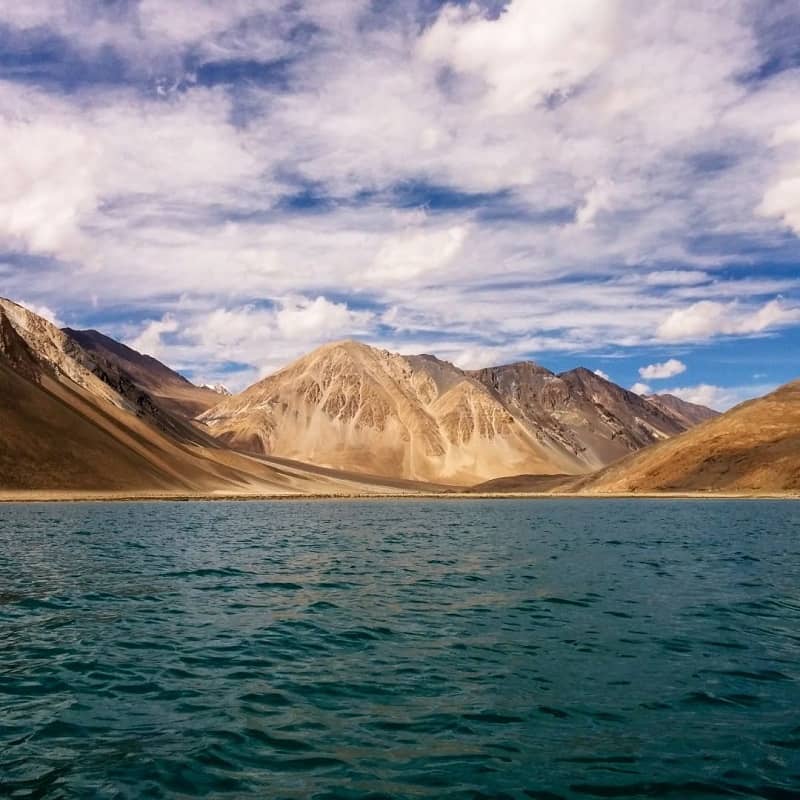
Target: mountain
72,421
170,390
754,447
82,412
690,414
351,406
218,388
594,419
354,407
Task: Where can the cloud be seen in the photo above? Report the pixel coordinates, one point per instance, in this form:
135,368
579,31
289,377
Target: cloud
245,342
49,183
664,370
149,341
527,54
314,319
720,398
417,252
676,277
641,388
586,178
708,318
602,374
598,198
782,197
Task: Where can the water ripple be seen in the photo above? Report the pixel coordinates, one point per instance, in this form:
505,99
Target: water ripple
341,651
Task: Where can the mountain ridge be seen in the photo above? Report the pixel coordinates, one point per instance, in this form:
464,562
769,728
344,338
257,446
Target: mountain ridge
73,421
338,405
345,414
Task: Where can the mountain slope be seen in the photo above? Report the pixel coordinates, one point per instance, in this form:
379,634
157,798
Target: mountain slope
594,419
74,422
169,389
355,407
753,447
690,414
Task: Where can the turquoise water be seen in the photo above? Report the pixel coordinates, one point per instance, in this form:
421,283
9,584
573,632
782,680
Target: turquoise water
454,649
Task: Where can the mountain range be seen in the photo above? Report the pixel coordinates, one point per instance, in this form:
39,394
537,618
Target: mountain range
352,406
81,412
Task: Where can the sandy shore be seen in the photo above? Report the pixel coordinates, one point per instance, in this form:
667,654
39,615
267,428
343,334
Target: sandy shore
128,497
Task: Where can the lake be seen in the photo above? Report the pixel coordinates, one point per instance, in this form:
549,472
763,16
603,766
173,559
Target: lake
400,649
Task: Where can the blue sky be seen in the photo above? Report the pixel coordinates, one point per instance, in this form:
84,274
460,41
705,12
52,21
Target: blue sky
227,184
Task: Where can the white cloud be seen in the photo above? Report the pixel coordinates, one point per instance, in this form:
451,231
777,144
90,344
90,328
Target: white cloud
782,197
207,340
320,318
720,398
664,370
149,341
641,388
49,184
416,253
676,277
527,54
782,200
585,112
708,318
598,198
602,374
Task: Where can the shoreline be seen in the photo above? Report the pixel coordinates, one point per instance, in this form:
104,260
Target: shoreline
38,496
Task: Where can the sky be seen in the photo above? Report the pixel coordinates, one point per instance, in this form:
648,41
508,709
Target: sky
227,184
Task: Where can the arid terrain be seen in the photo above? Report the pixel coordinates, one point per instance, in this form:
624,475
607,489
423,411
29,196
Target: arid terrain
86,416
754,447
351,406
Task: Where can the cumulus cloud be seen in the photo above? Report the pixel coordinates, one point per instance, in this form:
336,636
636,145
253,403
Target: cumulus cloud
415,253
49,184
664,370
528,53
782,196
209,340
708,318
597,199
313,319
641,388
602,374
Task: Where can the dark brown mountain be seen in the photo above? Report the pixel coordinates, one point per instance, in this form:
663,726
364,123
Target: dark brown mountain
169,389
690,414
594,419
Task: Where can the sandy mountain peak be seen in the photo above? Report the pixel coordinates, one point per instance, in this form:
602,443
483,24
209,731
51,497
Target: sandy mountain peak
347,404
